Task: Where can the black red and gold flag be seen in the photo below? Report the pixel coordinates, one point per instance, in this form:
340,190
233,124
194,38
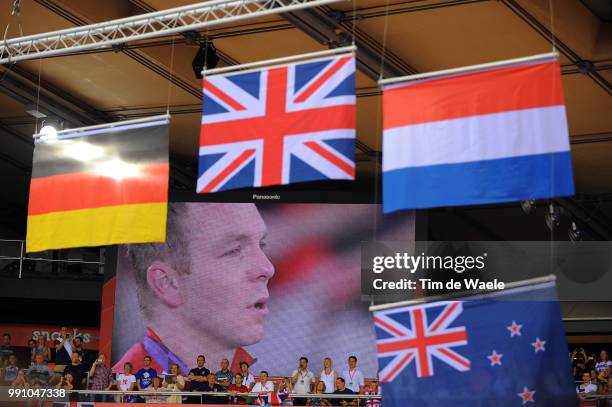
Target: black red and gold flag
100,186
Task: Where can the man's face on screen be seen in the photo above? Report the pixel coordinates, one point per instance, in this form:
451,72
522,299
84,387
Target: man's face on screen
229,272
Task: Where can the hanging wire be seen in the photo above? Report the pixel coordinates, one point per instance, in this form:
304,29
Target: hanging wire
552,25
170,78
38,95
354,21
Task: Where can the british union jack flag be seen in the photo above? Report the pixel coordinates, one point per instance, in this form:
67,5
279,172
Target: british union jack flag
278,125
420,334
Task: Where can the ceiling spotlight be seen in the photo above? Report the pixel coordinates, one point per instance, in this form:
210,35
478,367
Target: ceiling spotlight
206,57
551,217
49,129
574,234
528,206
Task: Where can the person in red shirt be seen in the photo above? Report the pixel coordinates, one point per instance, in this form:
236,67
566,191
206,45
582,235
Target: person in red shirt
237,387
213,256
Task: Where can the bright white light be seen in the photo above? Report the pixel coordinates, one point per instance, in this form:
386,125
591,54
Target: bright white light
83,151
48,132
117,169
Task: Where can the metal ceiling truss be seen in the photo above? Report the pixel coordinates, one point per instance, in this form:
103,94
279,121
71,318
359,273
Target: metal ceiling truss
144,26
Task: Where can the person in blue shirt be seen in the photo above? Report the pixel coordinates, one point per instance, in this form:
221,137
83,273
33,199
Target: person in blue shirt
144,377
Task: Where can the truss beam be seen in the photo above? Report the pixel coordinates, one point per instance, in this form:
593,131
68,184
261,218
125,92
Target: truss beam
144,26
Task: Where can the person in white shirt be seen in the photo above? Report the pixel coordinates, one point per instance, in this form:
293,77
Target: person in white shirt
586,387
247,378
328,375
155,387
263,385
126,381
354,377
604,362
302,380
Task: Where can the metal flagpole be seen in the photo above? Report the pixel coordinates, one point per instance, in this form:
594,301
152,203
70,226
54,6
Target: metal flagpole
515,284
107,125
273,63
454,71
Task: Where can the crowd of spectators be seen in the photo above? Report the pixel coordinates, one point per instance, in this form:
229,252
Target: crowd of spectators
593,376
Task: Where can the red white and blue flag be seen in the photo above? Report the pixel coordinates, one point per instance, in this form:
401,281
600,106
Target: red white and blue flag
505,348
497,135
271,398
278,125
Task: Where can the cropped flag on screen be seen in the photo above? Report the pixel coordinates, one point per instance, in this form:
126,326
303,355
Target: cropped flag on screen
99,187
279,125
483,137
506,348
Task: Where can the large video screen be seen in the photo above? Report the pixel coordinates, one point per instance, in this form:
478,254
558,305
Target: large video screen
262,283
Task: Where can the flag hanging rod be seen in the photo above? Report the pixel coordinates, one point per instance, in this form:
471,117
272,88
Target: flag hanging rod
454,71
109,125
272,63
445,297
144,26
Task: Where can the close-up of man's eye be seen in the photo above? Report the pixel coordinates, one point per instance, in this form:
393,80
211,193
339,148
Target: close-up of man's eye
263,244
232,252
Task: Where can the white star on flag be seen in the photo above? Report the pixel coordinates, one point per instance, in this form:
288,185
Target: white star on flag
495,358
539,345
515,329
527,395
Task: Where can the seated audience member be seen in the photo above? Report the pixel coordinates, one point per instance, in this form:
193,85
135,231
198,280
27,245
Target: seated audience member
302,380
328,375
77,346
211,386
174,381
284,388
63,350
8,374
224,376
237,387
41,346
155,387
371,388
100,378
67,383
263,385
354,377
126,381
247,378
586,389
76,369
198,377
604,362
21,382
319,388
32,347
342,389
39,374
5,349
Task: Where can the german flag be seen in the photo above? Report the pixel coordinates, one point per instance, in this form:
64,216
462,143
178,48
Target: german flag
100,186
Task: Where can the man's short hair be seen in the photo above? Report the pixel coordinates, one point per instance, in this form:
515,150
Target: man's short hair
201,356
147,357
353,357
264,371
244,363
341,379
173,251
304,358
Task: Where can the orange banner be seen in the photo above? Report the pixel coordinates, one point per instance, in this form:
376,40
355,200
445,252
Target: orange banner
20,334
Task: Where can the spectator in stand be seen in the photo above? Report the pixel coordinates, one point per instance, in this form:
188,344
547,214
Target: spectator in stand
76,369
32,347
198,377
342,389
371,388
212,386
100,378
8,374
224,376
586,389
174,381
144,376
77,346
41,346
604,362
155,387
247,378
328,375
172,278
263,385
39,374
319,388
68,383
5,349
354,377
609,393
302,380
21,381
63,350
237,387
126,381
